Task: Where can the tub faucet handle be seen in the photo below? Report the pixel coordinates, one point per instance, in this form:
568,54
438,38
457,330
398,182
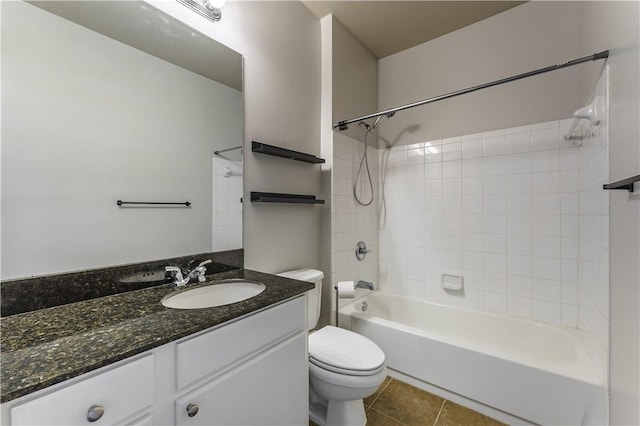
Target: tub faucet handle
362,250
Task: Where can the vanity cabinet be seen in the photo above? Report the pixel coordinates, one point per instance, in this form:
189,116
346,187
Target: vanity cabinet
264,390
109,398
251,371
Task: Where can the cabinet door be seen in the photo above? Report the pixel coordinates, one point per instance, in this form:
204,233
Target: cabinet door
210,353
119,393
269,389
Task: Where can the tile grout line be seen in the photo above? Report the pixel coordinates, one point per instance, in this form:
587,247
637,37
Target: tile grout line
387,416
435,422
383,389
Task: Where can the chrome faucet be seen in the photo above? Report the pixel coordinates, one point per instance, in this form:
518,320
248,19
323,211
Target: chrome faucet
365,284
196,273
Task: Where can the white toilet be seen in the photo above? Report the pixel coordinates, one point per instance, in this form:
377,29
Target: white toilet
344,367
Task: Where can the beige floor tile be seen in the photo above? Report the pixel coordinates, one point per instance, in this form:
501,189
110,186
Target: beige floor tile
453,414
370,399
408,405
376,418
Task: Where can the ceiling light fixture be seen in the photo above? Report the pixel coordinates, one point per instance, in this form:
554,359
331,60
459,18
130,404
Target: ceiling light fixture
210,9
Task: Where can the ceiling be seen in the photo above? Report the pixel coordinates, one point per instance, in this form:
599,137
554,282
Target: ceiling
388,27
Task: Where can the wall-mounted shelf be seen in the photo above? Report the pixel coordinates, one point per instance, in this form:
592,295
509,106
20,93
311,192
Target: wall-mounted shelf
263,148
623,184
272,197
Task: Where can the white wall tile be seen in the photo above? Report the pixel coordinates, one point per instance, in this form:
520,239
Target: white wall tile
519,214
518,142
495,165
472,240
494,144
494,184
547,311
471,148
519,245
519,224
495,302
519,163
545,139
472,185
518,204
472,167
520,285
545,161
472,223
521,307
495,204
518,183
452,150
452,169
495,243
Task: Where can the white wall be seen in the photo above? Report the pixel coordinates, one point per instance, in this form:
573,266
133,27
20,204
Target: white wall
280,42
349,86
87,121
355,78
527,37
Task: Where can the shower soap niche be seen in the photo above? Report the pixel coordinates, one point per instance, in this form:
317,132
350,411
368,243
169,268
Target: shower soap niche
452,282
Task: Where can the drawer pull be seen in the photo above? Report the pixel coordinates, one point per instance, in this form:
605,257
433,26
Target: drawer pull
192,410
95,413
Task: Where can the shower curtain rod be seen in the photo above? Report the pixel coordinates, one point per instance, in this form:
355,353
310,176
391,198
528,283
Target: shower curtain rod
228,149
344,125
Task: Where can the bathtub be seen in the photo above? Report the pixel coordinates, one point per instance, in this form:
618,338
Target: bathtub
539,373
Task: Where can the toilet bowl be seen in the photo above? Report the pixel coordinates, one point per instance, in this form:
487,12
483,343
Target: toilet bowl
344,367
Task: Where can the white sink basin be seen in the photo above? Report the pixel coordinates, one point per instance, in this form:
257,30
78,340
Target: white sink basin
225,293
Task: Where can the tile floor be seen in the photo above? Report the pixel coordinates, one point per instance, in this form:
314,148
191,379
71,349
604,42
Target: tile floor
397,403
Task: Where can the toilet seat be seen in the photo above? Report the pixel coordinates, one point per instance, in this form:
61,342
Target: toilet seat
345,352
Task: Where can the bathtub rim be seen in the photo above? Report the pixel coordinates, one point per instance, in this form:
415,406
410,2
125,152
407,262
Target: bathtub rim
582,340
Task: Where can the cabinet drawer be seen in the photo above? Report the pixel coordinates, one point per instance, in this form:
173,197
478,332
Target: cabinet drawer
122,391
210,353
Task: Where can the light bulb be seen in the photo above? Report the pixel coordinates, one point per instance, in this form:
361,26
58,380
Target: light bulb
214,4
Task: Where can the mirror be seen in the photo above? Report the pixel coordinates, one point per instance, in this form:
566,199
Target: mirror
115,100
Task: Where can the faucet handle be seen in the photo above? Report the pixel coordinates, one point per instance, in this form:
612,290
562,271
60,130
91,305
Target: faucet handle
193,263
201,270
362,250
177,272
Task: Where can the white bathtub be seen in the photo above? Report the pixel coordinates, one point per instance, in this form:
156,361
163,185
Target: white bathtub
536,372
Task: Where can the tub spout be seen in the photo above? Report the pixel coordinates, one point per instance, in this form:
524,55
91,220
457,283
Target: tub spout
365,284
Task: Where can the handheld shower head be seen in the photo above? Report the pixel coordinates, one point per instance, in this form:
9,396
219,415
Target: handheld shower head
371,127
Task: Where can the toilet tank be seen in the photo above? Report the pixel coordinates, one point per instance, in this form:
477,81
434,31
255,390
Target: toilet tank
313,296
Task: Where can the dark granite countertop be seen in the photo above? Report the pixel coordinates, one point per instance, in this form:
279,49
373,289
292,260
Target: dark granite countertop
47,346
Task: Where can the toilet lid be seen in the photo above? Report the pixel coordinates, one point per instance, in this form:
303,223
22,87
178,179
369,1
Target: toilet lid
345,352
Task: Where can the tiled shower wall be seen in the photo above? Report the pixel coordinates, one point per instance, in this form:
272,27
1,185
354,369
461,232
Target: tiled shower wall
227,207
593,232
501,209
351,222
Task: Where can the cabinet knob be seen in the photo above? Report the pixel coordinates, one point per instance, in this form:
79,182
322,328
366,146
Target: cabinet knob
95,413
192,410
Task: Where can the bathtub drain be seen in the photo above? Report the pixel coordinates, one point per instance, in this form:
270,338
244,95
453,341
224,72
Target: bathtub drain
364,306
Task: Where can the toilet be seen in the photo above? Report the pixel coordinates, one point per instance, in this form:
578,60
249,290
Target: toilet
344,367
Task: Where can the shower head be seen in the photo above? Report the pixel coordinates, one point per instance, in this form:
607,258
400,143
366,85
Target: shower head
592,112
375,123
371,127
